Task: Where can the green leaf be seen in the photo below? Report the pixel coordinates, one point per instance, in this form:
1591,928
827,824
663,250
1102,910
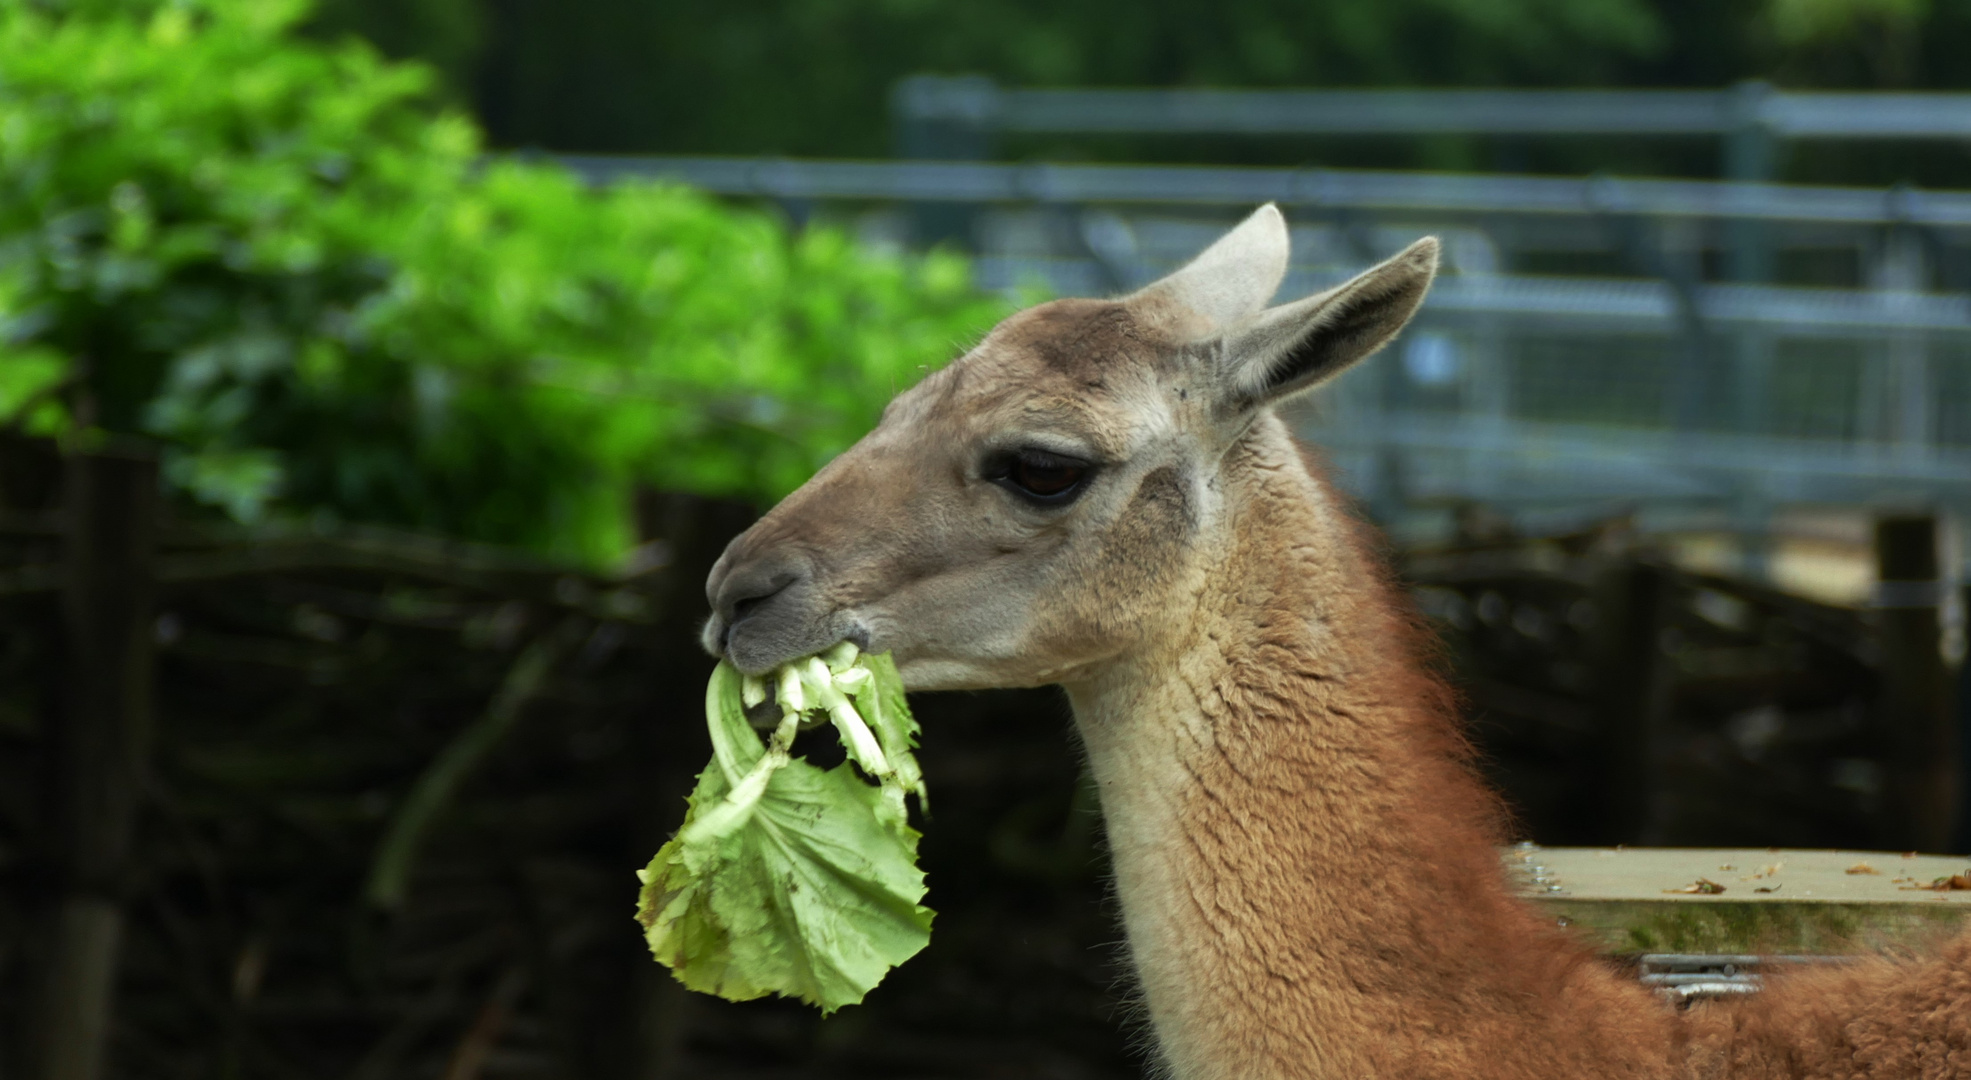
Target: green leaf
804,886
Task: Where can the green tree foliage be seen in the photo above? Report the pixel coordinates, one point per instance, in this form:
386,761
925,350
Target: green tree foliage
281,261
1879,40
812,76
447,34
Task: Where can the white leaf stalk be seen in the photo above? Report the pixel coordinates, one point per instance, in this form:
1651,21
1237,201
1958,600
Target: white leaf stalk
853,680
819,683
841,657
823,683
792,695
737,807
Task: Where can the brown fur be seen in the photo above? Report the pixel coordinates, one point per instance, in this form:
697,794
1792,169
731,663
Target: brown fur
1080,338
1335,865
1307,865
1341,863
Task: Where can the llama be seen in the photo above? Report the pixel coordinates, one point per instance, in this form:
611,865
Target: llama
1100,495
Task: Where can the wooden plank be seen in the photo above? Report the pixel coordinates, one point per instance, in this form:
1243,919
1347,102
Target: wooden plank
1771,901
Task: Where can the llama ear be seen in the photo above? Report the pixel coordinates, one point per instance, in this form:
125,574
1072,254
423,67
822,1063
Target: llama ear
1294,347
1228,281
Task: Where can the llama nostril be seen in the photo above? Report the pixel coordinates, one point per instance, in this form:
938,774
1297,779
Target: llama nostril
743,607
751,587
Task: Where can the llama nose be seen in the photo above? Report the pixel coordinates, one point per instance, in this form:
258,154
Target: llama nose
747,589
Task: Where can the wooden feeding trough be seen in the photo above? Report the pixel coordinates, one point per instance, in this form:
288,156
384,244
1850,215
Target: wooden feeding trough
1767,902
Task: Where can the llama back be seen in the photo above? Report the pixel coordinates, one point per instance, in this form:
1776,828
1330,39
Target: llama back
1877,1018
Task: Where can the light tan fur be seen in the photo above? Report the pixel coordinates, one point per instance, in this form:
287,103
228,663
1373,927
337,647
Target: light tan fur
1307,866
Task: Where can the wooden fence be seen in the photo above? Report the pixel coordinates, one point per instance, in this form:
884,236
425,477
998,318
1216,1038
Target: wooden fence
364,805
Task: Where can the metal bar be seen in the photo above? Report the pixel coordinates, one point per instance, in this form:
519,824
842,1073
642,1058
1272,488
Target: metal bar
1751,155
943,119
1695,975
1699,978
1615,471
1600,303
1703,960
1365,112
1678,458
1869,115
980,103
1331,188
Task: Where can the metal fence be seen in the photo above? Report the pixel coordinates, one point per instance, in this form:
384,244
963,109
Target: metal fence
1316,188
1640,382
945,117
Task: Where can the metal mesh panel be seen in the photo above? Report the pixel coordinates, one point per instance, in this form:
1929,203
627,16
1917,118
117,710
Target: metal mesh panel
1622,379
1816,387
1951,370
1525,389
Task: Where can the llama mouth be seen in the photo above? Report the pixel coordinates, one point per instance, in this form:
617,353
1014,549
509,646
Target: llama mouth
756,645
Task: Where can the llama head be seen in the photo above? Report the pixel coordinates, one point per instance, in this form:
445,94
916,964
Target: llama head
1035,509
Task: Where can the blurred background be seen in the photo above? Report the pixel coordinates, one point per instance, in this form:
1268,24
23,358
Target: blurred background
378,380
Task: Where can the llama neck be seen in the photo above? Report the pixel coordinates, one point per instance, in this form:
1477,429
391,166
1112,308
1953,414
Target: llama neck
1306,870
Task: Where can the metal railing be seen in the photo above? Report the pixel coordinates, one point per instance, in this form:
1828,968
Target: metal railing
1519,390
938,117
1353,189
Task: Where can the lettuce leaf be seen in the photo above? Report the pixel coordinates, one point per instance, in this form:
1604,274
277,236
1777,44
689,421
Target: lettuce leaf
786,878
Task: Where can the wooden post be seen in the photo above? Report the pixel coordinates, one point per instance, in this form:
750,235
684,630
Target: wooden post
1962,840
1912,709
670,753
1633,684
98,749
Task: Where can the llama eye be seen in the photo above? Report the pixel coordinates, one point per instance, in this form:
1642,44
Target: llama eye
1043,477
